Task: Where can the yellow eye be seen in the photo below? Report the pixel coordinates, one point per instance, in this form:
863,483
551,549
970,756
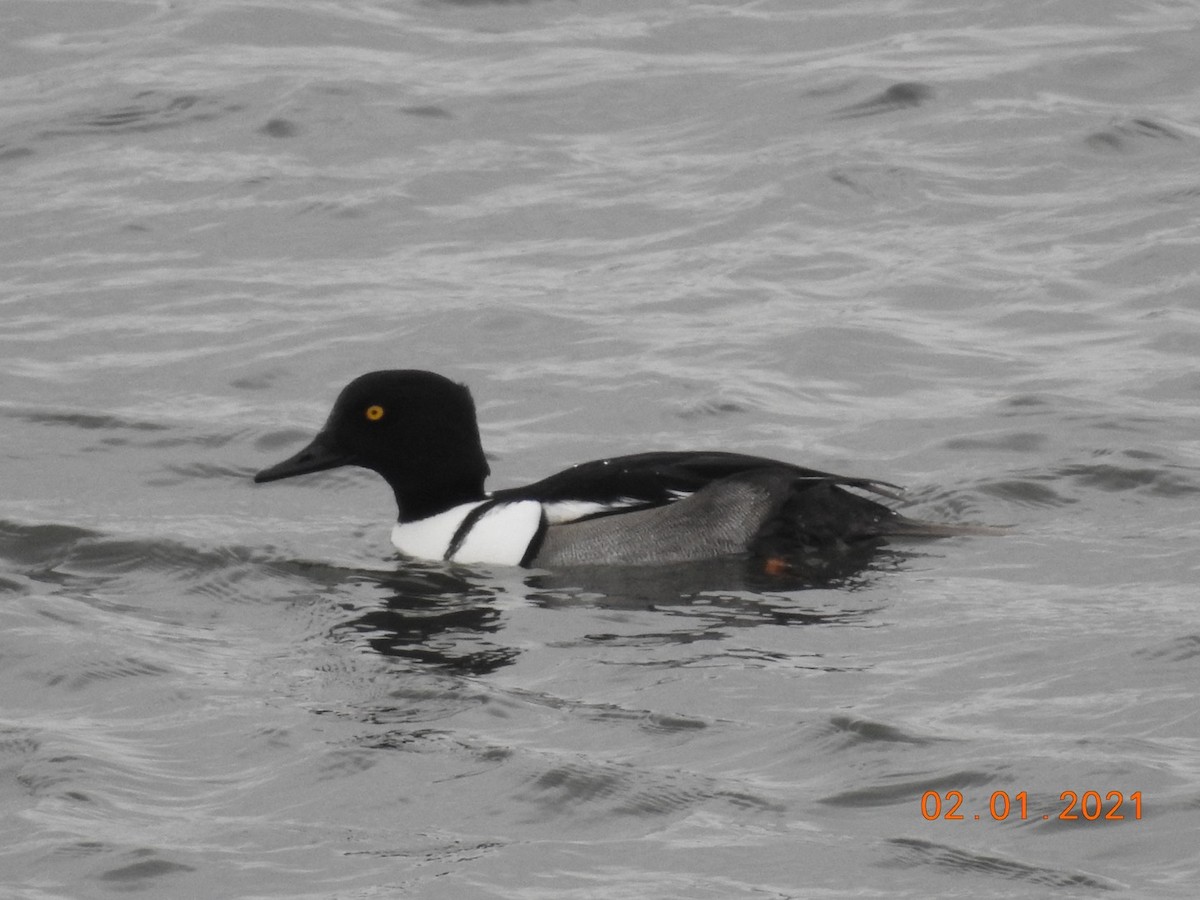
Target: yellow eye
374,413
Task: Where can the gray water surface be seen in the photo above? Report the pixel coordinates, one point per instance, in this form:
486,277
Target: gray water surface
949,246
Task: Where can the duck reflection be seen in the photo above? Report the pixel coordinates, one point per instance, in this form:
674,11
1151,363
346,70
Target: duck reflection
453,617
439,616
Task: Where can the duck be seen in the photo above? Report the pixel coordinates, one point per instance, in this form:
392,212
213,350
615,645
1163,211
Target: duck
418,430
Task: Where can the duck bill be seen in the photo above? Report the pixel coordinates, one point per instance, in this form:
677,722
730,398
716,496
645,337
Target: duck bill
318,456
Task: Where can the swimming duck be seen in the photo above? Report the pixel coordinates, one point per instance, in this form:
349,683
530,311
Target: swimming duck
419,431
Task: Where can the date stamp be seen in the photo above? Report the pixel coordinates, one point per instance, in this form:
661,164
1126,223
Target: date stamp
1077,806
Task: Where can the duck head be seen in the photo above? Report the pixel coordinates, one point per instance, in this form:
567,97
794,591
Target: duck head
417,429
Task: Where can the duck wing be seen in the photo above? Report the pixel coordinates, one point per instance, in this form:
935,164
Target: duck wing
646,480
766,511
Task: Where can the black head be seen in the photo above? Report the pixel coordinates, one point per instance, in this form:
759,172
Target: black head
417,429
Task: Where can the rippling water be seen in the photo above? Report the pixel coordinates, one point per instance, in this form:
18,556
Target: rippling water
950,246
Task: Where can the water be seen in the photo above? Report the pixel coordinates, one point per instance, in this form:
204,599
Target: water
948,246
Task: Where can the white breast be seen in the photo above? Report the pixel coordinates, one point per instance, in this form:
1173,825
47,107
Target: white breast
429,538
501,536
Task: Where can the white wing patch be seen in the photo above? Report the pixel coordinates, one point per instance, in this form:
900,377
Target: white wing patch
562,511
501,536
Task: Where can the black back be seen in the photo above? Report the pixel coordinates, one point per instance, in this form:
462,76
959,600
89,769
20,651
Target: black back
652,478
